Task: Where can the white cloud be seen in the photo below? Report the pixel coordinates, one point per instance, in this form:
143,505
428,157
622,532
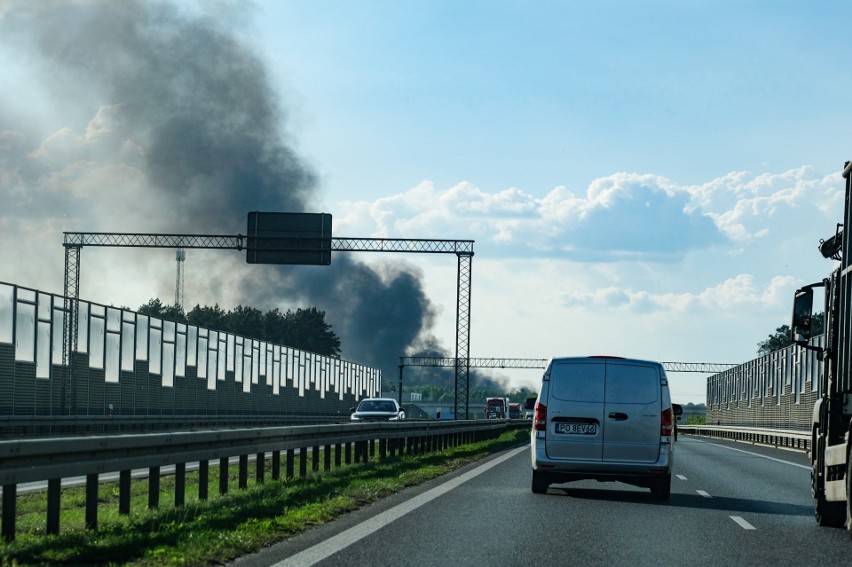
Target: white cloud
623,216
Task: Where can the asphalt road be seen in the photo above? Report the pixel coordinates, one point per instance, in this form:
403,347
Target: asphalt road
731,504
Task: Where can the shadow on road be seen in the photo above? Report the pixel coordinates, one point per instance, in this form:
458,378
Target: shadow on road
632,494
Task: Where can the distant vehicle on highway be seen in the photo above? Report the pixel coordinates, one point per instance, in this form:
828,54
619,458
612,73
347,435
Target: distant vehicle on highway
496,408
514,410
377,409
603,418
529,407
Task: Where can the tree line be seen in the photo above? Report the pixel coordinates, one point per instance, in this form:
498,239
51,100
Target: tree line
304,329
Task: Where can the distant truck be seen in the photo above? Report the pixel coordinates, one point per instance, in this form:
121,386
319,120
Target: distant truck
515,411
831,431
496,408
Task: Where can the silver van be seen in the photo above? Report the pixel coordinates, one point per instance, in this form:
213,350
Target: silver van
603,418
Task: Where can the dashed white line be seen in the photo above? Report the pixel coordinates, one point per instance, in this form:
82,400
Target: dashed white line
680,476
743,524
704,494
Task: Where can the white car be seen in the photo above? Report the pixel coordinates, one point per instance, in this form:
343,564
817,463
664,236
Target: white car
377,409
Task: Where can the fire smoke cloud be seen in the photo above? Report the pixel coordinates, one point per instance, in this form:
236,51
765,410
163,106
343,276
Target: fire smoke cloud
168,121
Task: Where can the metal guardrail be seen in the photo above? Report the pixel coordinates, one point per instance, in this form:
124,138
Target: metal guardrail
55,458
784,438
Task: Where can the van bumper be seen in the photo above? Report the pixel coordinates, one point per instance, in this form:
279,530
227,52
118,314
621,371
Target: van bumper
567,470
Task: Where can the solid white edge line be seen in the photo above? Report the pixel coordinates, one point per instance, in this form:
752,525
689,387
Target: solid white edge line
756,455
344,539
743,524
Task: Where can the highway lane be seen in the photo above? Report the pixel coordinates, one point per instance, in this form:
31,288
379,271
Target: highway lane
732,504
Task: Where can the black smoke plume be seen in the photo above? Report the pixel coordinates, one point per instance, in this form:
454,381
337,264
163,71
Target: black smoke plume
187,104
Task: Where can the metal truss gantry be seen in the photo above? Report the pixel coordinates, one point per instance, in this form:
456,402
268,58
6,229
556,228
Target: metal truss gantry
435,361
536,363
463,249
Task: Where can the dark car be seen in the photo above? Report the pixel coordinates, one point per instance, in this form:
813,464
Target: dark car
377,409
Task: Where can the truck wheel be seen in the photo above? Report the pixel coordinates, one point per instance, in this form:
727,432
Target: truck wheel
849,495
539,483
829,514
661,489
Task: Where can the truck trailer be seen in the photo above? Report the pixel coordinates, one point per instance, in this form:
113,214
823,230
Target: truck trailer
831,432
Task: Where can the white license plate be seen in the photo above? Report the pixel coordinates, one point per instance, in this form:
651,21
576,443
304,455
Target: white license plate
577,428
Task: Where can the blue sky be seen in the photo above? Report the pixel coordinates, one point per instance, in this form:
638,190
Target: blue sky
644,179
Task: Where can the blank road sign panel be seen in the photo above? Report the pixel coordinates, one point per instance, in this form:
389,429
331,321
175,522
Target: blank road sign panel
289,238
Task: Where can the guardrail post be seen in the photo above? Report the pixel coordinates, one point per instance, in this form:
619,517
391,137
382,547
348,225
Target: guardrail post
316,460
338,455
348,453
291,456
9,500
243,473
203,479
326,454
91,501
54,491
124,492
180,484
153,488
276,465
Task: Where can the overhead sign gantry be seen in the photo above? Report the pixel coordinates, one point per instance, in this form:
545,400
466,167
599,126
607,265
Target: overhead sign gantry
276,238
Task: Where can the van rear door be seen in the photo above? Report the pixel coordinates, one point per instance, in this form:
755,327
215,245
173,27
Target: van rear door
575,410
631,413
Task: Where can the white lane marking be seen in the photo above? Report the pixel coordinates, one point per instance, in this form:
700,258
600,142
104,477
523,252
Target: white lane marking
806,467
317,553
704,494
743,524
680,476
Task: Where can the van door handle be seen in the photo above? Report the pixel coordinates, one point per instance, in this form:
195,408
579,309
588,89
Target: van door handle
618,416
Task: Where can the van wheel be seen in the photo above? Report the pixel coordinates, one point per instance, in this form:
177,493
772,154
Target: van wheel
661,489
539,483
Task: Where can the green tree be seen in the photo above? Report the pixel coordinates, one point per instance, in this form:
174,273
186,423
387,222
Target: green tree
308,330
245,322
207,317
156,308
783,336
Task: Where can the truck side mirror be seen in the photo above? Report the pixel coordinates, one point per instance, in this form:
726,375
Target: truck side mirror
529,403
802,315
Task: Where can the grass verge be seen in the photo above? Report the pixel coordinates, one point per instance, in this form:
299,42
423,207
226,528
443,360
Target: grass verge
225,527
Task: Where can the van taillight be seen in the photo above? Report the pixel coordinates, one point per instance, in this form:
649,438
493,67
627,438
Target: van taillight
540,417
666,422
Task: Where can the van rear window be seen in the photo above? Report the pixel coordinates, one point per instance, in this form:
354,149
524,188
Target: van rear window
627,384
615,383
577,382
